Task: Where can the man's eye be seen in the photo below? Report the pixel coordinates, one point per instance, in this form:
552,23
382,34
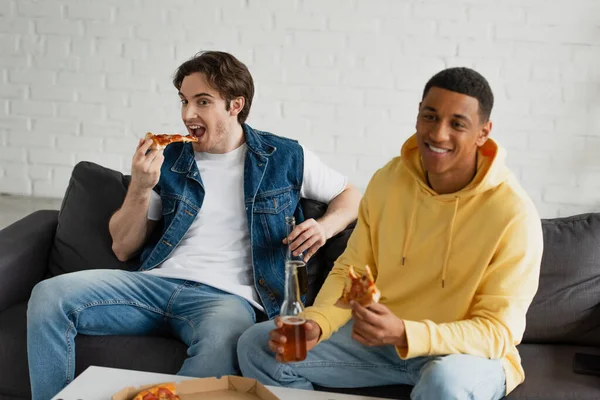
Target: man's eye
428,117
458,125
203,102
183,102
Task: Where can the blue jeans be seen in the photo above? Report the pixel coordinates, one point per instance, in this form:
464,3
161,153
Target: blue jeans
112,302
344,363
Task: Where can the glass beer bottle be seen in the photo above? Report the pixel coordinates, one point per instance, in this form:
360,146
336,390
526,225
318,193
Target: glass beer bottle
290,223
294,349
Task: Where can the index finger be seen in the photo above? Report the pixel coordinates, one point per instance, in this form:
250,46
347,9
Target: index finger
298,230
361,312
143,148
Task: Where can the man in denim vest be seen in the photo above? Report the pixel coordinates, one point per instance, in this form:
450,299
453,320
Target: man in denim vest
220,205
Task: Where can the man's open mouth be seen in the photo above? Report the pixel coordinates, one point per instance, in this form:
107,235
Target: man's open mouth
196,130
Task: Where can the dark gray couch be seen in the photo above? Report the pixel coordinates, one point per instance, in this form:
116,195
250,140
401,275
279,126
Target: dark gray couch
563,319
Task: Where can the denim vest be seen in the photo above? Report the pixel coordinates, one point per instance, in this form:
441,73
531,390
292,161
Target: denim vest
273,172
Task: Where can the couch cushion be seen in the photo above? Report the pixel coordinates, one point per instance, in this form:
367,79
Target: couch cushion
82,239
163,355
549,374
14,379
565,308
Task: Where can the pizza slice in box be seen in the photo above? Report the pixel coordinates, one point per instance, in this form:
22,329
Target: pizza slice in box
165,391
160,141
362,290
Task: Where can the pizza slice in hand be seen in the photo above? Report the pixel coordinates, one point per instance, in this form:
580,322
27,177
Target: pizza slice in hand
160,141
165,391
362,290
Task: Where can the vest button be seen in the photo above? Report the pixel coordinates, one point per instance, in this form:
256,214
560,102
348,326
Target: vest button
143,269
261,282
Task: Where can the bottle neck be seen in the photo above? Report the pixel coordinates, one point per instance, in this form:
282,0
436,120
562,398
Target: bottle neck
292,289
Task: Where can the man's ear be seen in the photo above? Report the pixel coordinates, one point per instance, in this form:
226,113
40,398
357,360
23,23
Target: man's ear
484,133
236,106
418,111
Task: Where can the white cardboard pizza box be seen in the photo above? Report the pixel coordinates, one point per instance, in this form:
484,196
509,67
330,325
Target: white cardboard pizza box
224,388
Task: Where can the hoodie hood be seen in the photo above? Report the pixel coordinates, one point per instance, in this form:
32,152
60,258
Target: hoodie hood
491,169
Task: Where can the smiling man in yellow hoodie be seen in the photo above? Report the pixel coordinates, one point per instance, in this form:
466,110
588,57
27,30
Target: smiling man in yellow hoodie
455,245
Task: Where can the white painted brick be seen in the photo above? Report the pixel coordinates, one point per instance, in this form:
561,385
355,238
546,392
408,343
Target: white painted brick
89,10
79,143
103,129
318,41
318,143
39,172
47,126
135,49
28,8
149,32
548,143
16,25
28,108
300,20
5,7
581,93
386,97
498,13
246,19
81,111
15,62
487,49
30,139
125,146
315,76
358,146
128,13
32,44
530,123
13,154
440,11
13,91
307,109
407,26
153,67
8,43
559,14
108,160
58,27
344,165
30,76
16,171
129,82
346,128
51,92
103,29
14,123
545,73
112,98
383,8
466,30
558,108
57,46
56,63
15,186
48,189
261,38
83,46
78,79
427,47
353,23
545,90
366,79
109,47
575,196
51,157
110,65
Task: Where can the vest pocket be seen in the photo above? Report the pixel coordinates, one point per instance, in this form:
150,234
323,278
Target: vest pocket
272,204
169,204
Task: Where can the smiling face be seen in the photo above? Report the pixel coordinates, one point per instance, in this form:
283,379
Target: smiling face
449,132
209,117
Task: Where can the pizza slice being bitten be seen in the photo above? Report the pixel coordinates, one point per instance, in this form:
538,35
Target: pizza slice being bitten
160,141
362,290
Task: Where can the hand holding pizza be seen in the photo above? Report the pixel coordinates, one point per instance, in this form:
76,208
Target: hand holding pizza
145,166
376,325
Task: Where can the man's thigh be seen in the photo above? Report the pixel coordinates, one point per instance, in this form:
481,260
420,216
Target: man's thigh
103,301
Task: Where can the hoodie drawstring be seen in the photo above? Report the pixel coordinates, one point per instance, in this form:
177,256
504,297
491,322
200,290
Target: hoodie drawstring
410,224
449,242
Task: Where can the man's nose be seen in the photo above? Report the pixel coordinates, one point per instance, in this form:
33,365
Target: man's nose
440,132
190,112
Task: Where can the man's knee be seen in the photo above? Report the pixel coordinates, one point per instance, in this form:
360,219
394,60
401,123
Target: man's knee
254,340
45,297
453,377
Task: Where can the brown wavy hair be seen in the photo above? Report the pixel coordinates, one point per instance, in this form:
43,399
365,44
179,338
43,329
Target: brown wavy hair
225,73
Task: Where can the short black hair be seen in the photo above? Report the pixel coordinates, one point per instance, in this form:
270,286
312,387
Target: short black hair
465,81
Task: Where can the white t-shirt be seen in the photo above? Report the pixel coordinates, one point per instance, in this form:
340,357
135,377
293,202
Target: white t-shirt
216,248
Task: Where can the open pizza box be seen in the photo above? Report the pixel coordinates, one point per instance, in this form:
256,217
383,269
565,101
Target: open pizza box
224,388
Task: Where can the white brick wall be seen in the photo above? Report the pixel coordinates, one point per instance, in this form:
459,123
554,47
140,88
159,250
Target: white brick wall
83,80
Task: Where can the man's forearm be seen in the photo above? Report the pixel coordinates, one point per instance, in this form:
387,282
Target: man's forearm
128,226
341,211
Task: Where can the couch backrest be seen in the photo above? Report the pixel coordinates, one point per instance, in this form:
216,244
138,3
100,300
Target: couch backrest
565,308
82,240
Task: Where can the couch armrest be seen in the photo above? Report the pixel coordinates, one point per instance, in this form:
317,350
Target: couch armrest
24,249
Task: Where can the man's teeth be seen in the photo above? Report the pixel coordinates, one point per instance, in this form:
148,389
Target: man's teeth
437,149
194,127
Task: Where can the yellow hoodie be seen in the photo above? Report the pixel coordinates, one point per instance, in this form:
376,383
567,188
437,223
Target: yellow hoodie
459,269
